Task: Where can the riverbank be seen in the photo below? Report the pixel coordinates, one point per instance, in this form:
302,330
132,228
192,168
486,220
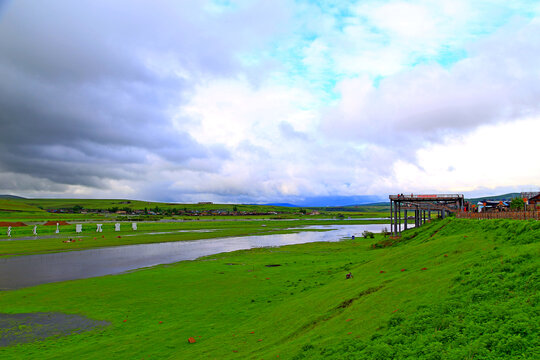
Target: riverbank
152,232
452,289
23,271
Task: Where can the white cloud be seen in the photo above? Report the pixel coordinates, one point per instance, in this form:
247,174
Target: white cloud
499,82
491,157
259,101
231,111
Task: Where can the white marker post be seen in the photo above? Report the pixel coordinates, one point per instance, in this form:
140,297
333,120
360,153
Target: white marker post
9,231
57,228
78,228
99,228
117,227
35,230
134,226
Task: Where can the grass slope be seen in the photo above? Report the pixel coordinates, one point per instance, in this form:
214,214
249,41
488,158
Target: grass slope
478,298
17,206
140,205
495,197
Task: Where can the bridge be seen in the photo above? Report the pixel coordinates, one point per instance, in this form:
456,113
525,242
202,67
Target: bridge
422,207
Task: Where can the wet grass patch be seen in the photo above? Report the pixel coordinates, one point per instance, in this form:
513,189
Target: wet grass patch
29,327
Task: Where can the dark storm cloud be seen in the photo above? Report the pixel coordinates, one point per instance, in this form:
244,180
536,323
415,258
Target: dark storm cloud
89,87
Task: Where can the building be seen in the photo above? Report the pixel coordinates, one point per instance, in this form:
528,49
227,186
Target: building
535,200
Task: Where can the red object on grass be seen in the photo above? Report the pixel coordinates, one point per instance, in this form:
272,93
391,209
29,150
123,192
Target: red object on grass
424,268
445,255
348,319
267,278
125,320
382,272
395,310
349,333
403,269
161,322
191,340
119,236
259,340
253,332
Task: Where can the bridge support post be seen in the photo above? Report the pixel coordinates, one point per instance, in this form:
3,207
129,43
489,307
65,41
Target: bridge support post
399,219
405,218
395,219
391,216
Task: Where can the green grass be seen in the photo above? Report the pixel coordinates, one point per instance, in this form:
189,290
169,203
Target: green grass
140,205
8,206
480,301
90,239
35,210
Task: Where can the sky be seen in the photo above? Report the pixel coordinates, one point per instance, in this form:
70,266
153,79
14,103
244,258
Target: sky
268,101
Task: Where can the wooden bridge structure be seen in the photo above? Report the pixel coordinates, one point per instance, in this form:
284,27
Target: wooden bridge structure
421,207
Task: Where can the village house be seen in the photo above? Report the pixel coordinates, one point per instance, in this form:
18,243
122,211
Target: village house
535,201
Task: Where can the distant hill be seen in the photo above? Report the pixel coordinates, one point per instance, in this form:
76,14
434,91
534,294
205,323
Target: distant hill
13,197
281,204
375,204
18,206
332,201
508,196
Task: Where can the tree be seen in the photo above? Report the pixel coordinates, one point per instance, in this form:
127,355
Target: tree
517,203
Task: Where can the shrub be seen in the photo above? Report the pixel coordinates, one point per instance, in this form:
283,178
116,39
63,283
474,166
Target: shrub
368,234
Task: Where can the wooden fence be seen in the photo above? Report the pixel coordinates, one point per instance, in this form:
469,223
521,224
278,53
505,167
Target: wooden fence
516,215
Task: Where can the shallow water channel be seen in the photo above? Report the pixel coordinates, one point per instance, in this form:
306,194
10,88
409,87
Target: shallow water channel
23,271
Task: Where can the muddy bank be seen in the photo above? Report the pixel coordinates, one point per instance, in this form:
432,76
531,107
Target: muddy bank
23,328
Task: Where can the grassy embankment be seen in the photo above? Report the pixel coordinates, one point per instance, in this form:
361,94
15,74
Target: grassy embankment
476,299
149,232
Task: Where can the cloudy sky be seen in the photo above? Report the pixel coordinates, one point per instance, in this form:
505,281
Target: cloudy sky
268,101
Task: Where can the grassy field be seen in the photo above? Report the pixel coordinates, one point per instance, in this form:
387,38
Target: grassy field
146,233
453,289
35,210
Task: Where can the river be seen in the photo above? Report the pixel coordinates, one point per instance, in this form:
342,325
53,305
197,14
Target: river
23,271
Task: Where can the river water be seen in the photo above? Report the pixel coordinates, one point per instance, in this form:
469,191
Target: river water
23,271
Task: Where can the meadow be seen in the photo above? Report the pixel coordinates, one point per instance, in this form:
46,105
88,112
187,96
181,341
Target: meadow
38,210
149,232
453,289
